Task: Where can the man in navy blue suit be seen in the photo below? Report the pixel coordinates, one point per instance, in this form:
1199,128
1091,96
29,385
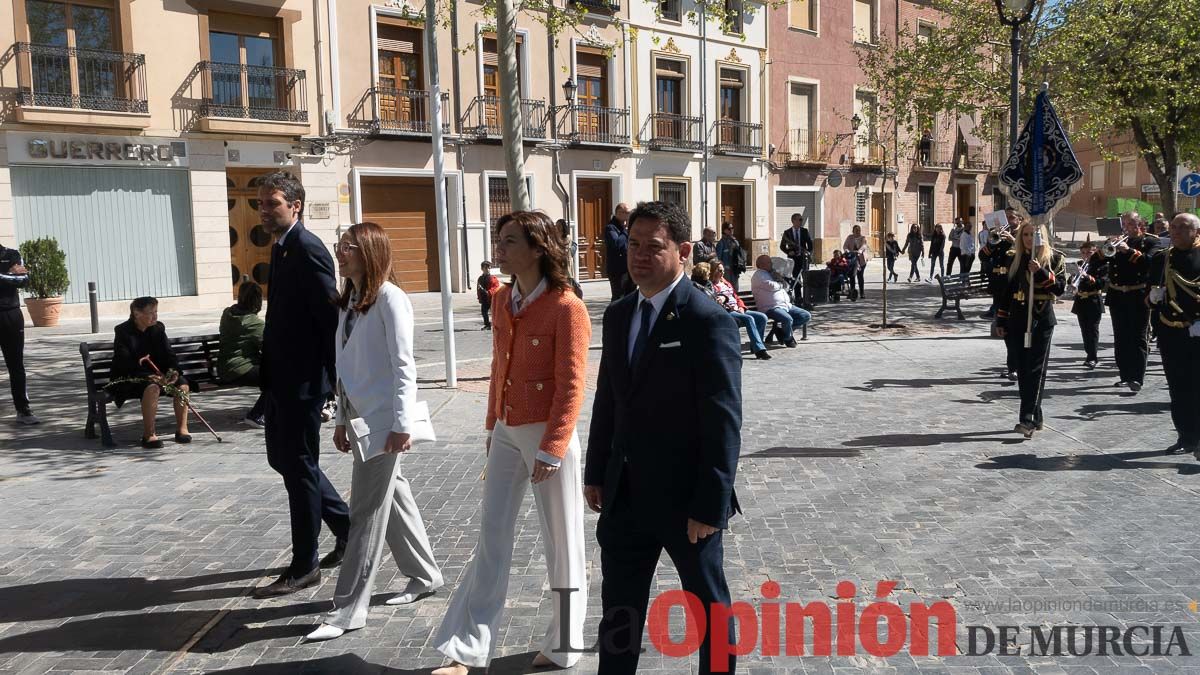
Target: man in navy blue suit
665,437
297,375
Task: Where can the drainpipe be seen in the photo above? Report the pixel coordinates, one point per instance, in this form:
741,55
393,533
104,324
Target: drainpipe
322,127
334,67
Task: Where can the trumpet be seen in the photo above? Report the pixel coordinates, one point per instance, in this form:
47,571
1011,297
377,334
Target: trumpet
1109,249
996,236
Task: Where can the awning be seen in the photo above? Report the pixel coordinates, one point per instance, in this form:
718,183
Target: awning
966,127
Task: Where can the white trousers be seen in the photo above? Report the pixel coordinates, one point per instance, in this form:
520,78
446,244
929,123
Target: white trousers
468,632
382,511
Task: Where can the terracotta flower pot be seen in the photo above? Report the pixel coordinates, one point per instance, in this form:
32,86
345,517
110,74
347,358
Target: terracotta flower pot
44,311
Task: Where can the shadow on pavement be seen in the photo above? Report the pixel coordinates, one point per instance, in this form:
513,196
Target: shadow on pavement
1097,462
79,597
352,664
925,440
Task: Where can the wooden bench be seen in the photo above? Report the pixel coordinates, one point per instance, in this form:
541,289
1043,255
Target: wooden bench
197,356
747,298
958,288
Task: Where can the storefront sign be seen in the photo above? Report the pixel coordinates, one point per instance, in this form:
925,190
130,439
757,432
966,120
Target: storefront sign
69,149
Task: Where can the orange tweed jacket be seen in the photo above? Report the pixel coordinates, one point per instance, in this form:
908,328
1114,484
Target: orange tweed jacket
539,361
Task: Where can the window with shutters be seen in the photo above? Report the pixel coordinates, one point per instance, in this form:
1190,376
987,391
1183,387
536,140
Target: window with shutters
734,19
499,204
802,14
1128,172
866,13
925,208
401,82
861,200
669,79
591,78
924,32
1097,175
491,78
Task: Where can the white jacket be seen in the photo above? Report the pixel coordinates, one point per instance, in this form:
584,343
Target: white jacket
377,370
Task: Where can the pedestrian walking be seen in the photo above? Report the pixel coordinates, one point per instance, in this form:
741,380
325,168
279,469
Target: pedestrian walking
485,289
937,248
914,245
536,392
377,415
13,277
1128,275
664,442
1175,274
298,372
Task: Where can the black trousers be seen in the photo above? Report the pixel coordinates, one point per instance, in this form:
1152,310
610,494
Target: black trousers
252,379
940,260
891,264
293,434
1089,328
12,343
1131,339
485,308
914,268
955,252
619,284
1030,367
629,553
965,263
1181,363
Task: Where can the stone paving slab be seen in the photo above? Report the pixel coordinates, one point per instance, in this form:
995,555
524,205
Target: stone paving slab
868,455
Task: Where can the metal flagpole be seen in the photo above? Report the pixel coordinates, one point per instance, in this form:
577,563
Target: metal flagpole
439,193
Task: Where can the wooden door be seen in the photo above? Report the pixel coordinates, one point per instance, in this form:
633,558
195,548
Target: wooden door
249,242
878,220
593,207
965,203
733,211
404,208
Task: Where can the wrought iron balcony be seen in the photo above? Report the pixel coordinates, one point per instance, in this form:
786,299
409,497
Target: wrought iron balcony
935,154
84,79
975,159
737,138
238,91
868,155
807,147
482,118
666,131
610,6
404,111
595,125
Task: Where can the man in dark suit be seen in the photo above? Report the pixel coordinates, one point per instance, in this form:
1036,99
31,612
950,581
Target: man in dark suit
797,245
297,374
616,241
666,432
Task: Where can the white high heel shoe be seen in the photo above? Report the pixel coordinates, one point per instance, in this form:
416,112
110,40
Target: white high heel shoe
415,590
324,632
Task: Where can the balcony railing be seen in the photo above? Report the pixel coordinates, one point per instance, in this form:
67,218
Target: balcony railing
666,131
405,111
807,147
869,154
975,159
238,91
935,154
86,79
482,117
999,156
609,6
594,124
737,138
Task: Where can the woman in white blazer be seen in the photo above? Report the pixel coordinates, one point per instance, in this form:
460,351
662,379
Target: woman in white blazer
375,420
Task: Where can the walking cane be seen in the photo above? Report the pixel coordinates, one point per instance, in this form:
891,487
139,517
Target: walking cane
186,401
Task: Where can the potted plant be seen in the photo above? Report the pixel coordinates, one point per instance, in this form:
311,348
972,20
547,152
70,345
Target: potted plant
47,265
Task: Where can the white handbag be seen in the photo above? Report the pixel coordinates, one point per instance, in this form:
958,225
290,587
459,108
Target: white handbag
420,424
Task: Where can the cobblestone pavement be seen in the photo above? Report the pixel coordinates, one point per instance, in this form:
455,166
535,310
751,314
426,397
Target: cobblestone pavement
868,455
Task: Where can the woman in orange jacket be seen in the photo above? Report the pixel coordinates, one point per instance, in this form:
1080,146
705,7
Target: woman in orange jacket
541,332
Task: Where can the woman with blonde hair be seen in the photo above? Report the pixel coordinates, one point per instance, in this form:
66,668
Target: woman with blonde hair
540,338
377,398
1033,260
858,253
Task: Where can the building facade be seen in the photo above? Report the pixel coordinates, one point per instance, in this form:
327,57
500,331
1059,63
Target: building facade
836,160
133,133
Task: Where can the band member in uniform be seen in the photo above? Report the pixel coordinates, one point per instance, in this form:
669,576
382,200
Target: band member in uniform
1089,300
997,259
1126,299
1012,316
1175,298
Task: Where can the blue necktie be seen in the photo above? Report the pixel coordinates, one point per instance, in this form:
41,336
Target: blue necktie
643,336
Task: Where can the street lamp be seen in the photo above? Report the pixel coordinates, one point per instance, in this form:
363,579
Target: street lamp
1014,13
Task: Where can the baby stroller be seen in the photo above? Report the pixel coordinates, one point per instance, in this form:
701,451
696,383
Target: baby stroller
782,267
837,285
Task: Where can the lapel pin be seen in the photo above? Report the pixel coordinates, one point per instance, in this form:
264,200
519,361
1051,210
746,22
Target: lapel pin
670,316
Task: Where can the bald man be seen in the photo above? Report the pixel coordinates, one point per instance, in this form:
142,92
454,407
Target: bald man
1174,277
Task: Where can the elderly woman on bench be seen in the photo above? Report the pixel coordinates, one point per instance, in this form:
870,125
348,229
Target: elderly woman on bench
136,376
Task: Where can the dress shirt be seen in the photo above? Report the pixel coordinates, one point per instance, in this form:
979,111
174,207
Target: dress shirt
283,237
966,243
657,302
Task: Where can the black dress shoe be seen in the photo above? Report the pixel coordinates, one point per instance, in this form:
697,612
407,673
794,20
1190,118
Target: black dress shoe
1090,364
1012,376
286,585
1135,387
1178,448
334,557
762,355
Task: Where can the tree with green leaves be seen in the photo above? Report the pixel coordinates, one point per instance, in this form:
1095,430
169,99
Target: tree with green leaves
1116,68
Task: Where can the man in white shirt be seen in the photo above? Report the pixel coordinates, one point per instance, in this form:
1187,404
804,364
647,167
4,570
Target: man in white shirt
771,298
966,243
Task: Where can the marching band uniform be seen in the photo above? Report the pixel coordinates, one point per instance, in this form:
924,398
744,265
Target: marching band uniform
1177,272
1000,258
1012,313
1126,299
1089,303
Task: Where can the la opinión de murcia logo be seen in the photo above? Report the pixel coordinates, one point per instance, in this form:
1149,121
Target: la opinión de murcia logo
883,628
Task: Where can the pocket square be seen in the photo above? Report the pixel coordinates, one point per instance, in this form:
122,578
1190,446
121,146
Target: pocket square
668,345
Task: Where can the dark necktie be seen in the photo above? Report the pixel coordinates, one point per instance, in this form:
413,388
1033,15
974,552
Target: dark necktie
643,336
